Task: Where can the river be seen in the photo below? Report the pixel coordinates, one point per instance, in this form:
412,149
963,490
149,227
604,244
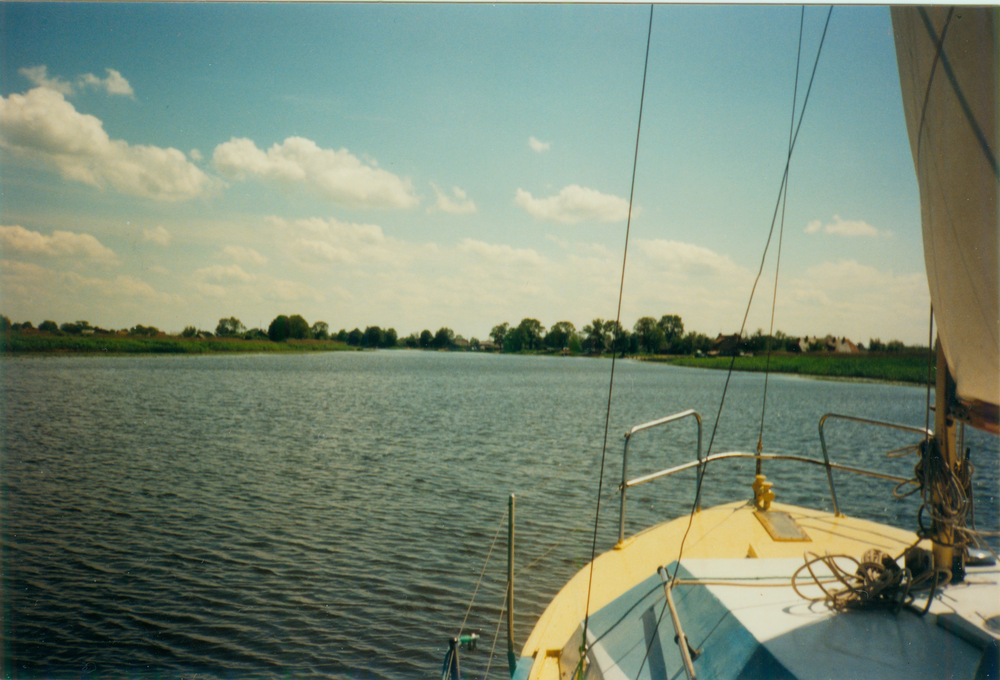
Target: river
329,515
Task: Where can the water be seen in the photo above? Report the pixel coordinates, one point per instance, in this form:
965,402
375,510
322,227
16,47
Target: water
330,515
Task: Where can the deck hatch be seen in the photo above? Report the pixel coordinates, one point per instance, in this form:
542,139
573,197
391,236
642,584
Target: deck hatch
781,526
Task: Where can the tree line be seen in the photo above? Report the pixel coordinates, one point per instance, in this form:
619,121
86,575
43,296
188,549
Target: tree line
647,336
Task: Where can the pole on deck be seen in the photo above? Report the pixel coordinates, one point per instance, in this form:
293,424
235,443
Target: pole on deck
945,555
511,656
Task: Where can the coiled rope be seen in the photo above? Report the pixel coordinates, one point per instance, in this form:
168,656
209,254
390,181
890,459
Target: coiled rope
876,582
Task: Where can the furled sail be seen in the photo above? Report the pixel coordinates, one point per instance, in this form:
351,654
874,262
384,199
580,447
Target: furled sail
947,60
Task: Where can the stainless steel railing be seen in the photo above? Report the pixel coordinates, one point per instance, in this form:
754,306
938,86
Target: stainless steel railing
701,463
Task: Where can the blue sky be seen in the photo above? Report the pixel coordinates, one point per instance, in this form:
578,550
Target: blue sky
425,165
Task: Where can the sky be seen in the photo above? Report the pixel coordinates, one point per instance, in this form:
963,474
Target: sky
420,166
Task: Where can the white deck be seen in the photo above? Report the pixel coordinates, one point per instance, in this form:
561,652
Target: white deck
807,641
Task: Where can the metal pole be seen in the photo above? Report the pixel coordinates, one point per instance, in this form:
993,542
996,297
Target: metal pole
511,656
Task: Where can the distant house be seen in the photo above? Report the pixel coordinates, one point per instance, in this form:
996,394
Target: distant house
725,345
461,342
488,346
830,343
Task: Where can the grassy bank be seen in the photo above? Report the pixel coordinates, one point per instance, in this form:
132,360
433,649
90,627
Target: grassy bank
42,343
909,367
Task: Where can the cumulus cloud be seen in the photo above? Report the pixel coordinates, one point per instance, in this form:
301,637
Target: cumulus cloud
338,174
687,258
244,255
43,127
841,227
32,282
39,77
158,235
318,240
574,204
113,83
22,240
538,146
456,206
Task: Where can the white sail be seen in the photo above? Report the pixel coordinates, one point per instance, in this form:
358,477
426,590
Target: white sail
947,60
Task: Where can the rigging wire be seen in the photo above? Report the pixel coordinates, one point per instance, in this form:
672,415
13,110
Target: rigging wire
496,633
781,234
480,580
621,289
725,389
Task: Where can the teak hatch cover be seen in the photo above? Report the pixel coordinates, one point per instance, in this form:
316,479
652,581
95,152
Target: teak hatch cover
781,526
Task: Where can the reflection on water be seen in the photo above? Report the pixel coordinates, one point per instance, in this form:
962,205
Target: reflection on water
330,514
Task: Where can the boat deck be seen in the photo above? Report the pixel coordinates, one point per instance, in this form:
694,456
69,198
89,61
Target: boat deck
782,634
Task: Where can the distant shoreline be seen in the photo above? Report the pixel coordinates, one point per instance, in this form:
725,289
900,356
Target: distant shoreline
905,367
20,344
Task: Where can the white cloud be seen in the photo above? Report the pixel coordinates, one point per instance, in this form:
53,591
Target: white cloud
43,127
195,155
114,83
574,204
39,77
689,259
538,146
841,227
220,272
49,289
459,205
22,240
338,174
158,235
500,254
317,240
244,255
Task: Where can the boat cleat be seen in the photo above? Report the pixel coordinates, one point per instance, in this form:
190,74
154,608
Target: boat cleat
762,494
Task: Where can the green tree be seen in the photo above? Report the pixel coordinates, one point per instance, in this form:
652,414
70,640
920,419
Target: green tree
426,339
672,327
876,345
138,329
895,346
189,332
514,340
649,334
574,344
617,337
373,337
444,338
355,337
48,326
280,329
342,335
320,330
594,336
298,327
559,335
4,323
499,332
412,341
229,328
389,338
532,333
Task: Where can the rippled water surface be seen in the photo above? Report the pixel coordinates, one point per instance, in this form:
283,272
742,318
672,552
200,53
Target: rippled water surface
330,515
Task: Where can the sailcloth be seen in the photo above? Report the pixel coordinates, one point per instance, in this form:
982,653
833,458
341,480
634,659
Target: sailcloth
947,59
